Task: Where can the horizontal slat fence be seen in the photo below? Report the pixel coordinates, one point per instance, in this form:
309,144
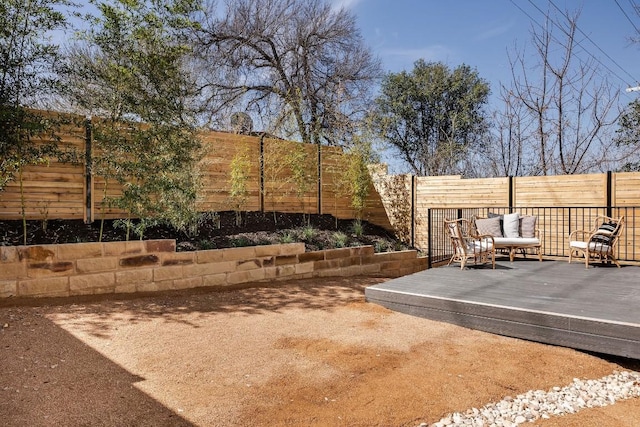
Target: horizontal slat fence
51,190
69,191
215,169
626,189
561,190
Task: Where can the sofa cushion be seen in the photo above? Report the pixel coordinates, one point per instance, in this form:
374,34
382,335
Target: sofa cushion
490,226
516,241
511,224
528,226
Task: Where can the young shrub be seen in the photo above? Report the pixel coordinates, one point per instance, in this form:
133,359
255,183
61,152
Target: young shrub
28,61
357,228
206,244
356,177
240,242
275,173
308,233
395,192
302,173
340,239
287,237
238,182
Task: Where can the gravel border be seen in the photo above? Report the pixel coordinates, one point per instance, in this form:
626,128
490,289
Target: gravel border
535,404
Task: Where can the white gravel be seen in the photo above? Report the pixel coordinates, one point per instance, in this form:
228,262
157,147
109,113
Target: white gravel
535,404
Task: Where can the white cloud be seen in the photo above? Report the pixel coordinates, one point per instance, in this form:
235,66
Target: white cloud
346,4
496,31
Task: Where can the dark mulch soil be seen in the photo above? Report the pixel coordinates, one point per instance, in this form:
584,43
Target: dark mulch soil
214,231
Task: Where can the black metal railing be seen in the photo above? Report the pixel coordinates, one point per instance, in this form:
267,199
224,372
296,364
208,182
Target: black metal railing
554,225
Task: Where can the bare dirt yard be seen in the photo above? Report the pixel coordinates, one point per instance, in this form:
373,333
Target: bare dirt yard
300,353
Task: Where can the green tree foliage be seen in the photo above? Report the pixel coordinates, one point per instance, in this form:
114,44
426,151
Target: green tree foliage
27,59
628,134
432,115
129,69
356,178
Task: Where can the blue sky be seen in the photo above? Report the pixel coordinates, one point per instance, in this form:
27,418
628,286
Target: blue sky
479,33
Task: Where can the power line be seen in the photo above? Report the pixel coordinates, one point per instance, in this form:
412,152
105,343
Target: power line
535,21
523,11
634,7
594,43
627,16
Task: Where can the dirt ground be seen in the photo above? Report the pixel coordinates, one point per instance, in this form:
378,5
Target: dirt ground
213,230
300,353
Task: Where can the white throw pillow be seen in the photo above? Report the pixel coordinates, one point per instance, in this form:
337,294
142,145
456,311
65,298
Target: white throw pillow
511,225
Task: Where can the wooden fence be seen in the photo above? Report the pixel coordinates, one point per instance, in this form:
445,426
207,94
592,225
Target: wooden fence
70,191
399,202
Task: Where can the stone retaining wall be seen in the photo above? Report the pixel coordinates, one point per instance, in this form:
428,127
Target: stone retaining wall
154,265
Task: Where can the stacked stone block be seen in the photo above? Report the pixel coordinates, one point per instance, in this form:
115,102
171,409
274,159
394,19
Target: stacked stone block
154,265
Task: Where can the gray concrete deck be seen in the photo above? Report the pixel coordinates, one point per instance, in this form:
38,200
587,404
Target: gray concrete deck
595,309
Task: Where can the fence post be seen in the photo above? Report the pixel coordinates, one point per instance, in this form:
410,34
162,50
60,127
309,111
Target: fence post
262,172
609,190
429,238
510,181
88,214
319,178
413,211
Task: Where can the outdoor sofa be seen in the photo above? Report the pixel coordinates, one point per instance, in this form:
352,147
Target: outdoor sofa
511,232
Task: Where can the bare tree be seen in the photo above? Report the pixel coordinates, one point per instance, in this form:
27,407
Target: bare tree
507,152
288,62
568,105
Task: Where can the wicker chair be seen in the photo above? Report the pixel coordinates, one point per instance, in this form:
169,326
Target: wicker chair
599,242
467,246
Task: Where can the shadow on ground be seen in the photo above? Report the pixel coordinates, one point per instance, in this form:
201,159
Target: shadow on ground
249,299
64,382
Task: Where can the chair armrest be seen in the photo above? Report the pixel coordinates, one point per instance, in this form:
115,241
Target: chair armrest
484,237
582,233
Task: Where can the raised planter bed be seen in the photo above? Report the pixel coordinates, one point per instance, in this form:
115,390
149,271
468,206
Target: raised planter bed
154,265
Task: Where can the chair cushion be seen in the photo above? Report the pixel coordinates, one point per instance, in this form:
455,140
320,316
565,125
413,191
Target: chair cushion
528,226
578,244
605,234
607,227
511,224
490,226
594,247
478,246
600,248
